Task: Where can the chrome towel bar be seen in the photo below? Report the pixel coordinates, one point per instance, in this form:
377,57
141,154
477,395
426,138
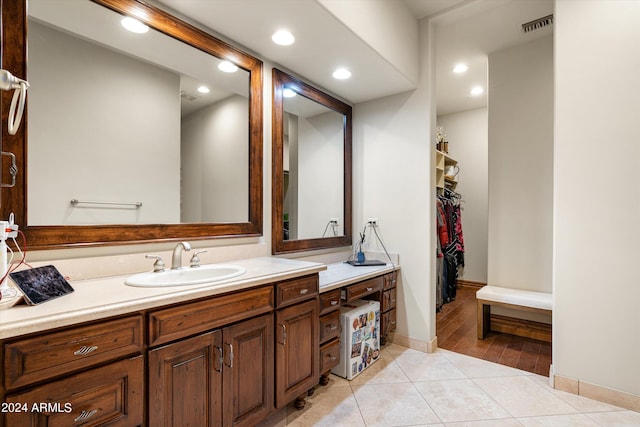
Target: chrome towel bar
75,202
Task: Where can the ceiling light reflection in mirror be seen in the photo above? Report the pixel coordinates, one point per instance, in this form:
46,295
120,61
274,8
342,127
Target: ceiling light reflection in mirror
117,116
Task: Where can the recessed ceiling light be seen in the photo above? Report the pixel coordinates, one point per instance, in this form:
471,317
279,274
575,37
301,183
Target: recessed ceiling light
228,67
476,90
288,93
203,89
460,68
283,38
133,25
341,74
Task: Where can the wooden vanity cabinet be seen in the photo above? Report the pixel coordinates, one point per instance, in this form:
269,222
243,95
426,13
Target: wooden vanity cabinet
224,375
388,306
297,340
86,375
220,378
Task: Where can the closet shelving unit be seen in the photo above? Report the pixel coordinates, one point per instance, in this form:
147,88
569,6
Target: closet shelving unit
443,161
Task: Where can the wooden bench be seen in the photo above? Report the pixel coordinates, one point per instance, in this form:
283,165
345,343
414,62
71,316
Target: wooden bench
537,302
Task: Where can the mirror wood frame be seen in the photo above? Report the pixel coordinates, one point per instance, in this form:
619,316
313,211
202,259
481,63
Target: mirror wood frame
279,245
14,24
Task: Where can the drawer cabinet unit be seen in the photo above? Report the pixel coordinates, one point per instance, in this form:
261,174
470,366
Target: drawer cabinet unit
43,357
388,306
297,340
329,333
112,395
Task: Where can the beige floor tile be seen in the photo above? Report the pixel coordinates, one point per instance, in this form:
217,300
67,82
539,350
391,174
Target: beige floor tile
522,397
426,367
328,407
509,422
393,405
478,368
383,371
396,350
460,400
617,419
573,420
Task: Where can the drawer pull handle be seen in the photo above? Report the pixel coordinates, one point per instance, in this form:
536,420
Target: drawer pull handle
393,322
84,350
393,300
369,289
85,415
303,291
333,302
332,327
332,358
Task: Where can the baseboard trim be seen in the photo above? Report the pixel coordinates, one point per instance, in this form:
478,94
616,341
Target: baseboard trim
597,392
472,284
415,344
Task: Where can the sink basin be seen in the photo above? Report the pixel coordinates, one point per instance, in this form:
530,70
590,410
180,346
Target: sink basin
186,276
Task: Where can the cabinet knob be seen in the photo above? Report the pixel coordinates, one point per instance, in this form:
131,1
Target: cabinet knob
85,415
369,289
333,302
85,350
303,291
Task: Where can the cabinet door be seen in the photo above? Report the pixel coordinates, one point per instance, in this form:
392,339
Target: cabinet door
297,351
111,395
185,382
248,371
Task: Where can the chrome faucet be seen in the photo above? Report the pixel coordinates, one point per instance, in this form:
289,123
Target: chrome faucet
176,259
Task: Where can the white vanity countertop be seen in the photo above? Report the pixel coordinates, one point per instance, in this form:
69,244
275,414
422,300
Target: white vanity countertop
96,299
342,274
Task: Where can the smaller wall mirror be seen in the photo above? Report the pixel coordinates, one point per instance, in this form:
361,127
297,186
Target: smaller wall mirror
311,167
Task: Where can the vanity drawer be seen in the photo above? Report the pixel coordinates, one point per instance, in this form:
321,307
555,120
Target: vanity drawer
390,280
362,289
329,355
182,321
329,301
296,290
330,326
46,356
388,299
109,395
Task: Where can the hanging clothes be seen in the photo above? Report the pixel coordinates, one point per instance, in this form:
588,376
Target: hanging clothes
450,246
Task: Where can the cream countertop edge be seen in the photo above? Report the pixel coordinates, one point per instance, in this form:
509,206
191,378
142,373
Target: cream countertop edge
96,299
331,278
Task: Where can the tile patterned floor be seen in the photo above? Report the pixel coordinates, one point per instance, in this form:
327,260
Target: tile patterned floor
409,388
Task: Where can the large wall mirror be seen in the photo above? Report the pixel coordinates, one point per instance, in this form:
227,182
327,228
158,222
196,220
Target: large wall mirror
311,167
133,136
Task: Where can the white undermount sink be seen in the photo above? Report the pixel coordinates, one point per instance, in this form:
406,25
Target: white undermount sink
186,276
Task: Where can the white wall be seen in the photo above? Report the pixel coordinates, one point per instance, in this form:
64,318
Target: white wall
215,158
468,144
597,193
135,128
521,166
393,145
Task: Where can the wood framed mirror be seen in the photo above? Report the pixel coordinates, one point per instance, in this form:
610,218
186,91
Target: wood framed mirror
132,221
312,189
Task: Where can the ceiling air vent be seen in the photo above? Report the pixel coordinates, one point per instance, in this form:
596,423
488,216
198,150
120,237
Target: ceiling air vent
537,24
187,96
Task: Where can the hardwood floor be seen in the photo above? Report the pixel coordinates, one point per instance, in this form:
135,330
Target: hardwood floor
456,330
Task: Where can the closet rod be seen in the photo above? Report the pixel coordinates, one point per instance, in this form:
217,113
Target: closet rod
75,202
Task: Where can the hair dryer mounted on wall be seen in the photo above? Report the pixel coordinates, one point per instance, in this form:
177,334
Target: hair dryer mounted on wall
8,82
